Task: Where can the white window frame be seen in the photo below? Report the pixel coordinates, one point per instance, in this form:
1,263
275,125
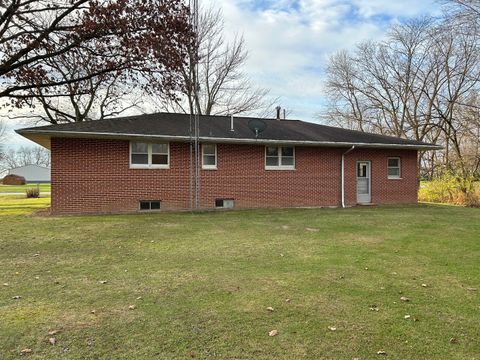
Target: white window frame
209,167
279,166
395,177
149,152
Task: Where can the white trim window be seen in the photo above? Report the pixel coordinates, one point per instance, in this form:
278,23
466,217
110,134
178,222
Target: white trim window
209,156
394,168
279,158
149,155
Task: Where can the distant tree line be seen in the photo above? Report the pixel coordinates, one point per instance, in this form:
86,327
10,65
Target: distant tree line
25,155
422,82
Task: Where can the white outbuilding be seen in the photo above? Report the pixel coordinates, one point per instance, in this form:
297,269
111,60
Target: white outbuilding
32,173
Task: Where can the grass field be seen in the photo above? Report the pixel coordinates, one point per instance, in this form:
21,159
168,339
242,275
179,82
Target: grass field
22,188
199,284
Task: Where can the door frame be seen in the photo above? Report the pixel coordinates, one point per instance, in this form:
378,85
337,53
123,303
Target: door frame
369,177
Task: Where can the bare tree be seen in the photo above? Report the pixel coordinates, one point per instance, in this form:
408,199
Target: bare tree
222,85
464,11
99,97
23,156
418,83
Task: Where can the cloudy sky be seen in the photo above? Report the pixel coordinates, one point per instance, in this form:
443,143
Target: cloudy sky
289,41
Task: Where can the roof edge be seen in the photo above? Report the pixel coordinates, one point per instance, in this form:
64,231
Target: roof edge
45,136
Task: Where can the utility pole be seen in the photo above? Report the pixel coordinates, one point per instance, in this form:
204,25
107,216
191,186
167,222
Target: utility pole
195,150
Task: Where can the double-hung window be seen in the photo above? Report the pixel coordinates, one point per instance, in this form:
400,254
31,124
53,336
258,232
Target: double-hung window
149,155
393,168
209,156
279,158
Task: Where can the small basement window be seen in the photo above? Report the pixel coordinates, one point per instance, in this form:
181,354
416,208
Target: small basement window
224,203
393,168
148,205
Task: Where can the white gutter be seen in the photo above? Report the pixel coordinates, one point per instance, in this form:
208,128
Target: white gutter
343,174
104,135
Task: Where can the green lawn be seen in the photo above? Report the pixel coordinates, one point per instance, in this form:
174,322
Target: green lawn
201,284
23,188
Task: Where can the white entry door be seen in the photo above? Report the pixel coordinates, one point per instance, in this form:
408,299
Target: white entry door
364,191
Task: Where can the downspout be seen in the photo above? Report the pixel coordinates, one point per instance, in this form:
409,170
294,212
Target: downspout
343,174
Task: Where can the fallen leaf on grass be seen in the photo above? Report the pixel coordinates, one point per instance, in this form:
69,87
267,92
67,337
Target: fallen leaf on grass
424,285
288,300
5,284
92,312
373,307
453,341
404,298
312,229
471,289
52,341
332,328
26,351
381,352
16,297
407,317
273,333
270,308
103,281
53,332
132,307
139,298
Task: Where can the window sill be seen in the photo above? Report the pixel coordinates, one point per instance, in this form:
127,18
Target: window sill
280,168
395,178
209,168
153,167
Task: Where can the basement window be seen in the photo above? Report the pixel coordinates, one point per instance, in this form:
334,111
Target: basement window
149,205
224,203
393,168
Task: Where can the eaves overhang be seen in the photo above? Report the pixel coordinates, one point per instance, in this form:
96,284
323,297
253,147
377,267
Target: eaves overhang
42,137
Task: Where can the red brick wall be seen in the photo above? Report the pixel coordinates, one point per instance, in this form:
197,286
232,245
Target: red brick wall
384,190
93,176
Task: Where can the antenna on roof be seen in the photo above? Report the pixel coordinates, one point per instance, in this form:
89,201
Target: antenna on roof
257,126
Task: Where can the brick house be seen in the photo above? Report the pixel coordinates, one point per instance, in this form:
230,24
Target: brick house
149,162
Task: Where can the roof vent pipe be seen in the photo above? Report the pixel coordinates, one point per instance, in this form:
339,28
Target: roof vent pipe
231,123
279,109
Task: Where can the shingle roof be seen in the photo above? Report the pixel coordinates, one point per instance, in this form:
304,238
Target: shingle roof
217,128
